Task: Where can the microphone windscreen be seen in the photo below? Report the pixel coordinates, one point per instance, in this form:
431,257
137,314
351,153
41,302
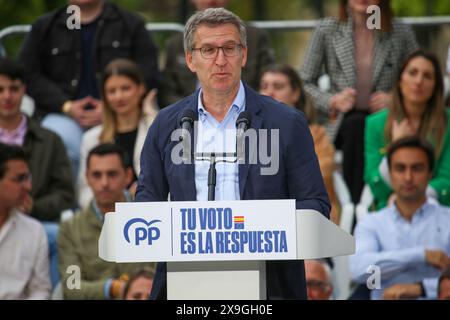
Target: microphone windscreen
243,118
188,115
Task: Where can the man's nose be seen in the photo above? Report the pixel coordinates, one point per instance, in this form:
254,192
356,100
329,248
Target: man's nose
408,175
221,58
104,181
27,185
6,94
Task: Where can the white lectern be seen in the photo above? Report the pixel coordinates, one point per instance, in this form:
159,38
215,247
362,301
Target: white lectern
217,250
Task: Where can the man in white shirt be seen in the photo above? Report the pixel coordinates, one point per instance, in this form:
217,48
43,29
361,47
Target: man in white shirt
402,249
23,244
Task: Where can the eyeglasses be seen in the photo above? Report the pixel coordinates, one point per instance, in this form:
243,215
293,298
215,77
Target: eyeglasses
229,50
317,285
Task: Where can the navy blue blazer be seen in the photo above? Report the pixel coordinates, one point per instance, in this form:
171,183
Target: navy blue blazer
298,178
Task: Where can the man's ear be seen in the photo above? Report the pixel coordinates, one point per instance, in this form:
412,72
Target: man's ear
86,176
244,56
188,56
129,173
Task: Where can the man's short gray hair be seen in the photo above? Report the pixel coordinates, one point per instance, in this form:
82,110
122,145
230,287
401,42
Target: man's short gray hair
212,17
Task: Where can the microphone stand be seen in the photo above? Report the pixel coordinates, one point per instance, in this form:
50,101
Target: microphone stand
212,172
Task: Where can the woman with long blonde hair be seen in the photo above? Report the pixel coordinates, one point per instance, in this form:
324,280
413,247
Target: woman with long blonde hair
126,119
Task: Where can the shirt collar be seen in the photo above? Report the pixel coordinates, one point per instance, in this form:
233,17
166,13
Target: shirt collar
17,133
420,212
10,221
100,216
238,104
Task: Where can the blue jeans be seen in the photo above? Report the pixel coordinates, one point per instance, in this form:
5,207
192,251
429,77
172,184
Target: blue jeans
51,229
71,134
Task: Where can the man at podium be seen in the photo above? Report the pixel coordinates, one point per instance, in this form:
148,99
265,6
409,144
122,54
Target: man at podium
223,106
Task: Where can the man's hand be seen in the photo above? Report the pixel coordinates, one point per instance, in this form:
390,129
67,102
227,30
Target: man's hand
87,111
379,100
94,115
402,291
437,258
132,189
27,205
344,100
117,289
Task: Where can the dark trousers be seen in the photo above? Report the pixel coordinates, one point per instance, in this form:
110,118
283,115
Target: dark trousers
350,139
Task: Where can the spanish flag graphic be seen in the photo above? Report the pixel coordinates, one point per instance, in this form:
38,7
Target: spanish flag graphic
239,222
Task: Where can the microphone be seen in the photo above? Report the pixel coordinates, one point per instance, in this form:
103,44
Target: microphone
242,124
186,121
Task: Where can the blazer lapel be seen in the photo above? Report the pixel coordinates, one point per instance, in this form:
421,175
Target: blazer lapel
345,49
254,108
382,49
186,172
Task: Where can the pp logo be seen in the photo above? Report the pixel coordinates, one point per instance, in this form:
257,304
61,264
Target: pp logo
142,233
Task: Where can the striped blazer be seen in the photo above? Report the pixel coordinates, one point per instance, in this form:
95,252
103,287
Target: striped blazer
332,51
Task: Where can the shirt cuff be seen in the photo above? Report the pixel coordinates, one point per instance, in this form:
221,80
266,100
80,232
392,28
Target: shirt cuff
430,285
107,288
416,256
383,168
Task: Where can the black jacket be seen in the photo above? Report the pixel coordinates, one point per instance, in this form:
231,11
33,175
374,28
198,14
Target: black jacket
52,187
52,53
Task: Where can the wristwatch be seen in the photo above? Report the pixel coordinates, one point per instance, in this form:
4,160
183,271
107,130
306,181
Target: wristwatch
67,106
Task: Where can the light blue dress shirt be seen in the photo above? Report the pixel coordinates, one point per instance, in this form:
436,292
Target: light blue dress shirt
214,136
397,246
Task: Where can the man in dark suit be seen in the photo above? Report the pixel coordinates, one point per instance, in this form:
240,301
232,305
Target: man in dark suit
216,50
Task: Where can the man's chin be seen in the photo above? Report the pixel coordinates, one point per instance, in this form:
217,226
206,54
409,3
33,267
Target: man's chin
409,196
105,201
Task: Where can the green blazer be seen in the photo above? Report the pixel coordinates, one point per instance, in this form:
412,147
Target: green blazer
375,150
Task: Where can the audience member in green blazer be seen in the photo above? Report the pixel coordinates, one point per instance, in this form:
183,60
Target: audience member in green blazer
418,109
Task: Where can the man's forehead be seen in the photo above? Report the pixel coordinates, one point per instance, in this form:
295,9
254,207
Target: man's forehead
6,80
105,162
16,166
409,156
225,32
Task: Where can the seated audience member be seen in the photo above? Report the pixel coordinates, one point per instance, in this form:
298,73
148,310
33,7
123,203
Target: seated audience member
64,63
318,280
361,63
282,83
52,188
418,110
108,174
24,268
179,82
125,121
409,241
444,285
140,284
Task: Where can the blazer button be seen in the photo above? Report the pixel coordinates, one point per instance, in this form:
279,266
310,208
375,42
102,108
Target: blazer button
115,44
55,51
74,82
